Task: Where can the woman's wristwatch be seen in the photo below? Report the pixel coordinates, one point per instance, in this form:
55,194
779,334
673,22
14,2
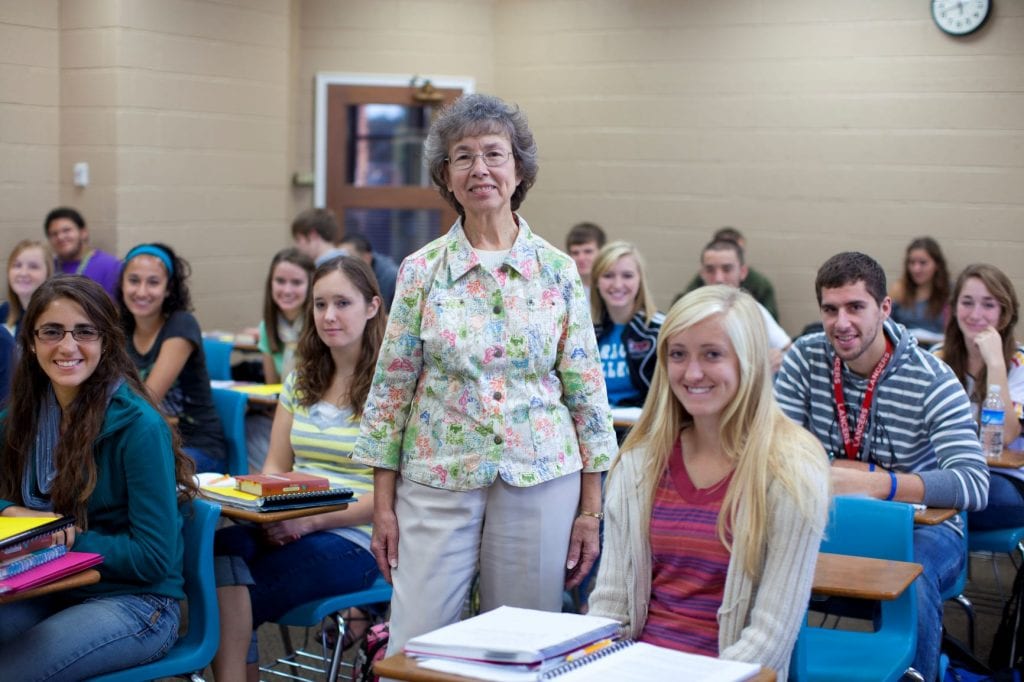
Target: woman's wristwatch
597,515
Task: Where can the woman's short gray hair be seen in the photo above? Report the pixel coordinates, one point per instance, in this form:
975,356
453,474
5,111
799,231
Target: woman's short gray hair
478,114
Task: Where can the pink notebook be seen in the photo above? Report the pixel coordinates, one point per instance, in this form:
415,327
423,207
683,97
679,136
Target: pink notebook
70,563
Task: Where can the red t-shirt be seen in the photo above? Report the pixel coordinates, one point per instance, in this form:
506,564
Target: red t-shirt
689,562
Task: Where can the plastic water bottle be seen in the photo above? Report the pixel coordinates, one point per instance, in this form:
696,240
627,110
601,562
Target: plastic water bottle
993,413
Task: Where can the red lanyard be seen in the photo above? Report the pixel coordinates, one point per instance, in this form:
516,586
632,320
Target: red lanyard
853,444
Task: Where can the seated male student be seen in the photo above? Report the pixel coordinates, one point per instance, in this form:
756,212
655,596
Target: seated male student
316,233
753,282
722,262
895,422
69,238
582,244
385,269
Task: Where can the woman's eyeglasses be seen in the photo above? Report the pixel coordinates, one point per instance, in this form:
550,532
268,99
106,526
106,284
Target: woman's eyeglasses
82,334
465,160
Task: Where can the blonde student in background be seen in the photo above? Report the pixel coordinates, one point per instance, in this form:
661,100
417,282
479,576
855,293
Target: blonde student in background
713,471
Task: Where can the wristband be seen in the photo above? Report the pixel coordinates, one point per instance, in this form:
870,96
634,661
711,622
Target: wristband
871,466
597,515
892,488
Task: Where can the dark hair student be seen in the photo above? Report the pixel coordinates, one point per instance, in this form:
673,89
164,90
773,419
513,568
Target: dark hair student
84,439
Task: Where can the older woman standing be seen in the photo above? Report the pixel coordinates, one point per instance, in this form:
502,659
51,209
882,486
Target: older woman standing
488,399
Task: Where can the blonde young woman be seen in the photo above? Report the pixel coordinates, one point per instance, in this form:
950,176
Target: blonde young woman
29,265
715,472
626,322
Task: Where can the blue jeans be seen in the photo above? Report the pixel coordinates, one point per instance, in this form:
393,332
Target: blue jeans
206,463
1005,506
940,550
48,638
315,566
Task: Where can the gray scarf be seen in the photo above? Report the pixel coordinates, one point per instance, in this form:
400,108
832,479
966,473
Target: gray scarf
41,471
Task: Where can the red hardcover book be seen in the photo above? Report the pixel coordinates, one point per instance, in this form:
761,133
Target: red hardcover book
263,485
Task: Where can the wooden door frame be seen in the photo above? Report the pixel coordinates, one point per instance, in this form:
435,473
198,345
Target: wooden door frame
327,79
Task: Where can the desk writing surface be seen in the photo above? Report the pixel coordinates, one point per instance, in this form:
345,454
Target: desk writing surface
89,576
1009,459
257,394
839,575
933,516
237,514
401,667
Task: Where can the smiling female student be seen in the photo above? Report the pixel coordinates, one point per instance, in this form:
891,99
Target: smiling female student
166,345
981,349
284,305
626,322
29,265
263,572
85,439
716,505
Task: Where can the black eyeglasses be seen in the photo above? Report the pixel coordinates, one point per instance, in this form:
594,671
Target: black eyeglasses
880,450
80,333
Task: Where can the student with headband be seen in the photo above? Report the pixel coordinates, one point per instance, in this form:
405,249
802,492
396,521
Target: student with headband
166,345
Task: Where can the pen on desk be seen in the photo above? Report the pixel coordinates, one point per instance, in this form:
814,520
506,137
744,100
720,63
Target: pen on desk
587,650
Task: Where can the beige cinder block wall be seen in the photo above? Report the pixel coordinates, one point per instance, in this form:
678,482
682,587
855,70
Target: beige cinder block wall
813,126
181,111
29,118
201,124
388,37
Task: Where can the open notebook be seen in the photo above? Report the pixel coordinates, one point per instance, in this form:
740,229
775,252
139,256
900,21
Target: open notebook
624,660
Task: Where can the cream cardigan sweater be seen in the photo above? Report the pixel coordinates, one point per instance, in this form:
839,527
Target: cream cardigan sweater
758,621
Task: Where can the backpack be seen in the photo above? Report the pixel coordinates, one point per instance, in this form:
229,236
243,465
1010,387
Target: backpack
1008,644
371,649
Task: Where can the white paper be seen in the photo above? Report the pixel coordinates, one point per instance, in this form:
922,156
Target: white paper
640,661
623,415
646,663
513,634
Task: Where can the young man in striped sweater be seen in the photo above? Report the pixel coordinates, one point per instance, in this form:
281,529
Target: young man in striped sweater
893,418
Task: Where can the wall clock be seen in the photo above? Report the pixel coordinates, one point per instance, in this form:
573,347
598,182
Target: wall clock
960,17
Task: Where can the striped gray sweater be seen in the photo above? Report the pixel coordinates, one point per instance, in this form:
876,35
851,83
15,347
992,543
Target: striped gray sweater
920,420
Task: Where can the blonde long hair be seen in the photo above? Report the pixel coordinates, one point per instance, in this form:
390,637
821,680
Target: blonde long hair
606,258
763,444
16,309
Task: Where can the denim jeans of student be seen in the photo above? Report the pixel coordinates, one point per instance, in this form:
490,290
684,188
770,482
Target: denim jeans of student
204,462
940,550
47,638
1005,506
315,566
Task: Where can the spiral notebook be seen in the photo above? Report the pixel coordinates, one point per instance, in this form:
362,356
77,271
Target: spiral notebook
228,494
622,661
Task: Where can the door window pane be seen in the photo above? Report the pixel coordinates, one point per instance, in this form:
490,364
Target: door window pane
395,232
385,145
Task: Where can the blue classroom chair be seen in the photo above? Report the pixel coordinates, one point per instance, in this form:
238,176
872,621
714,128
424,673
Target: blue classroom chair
886,654
218,358
1000,540
956,592
231,406
312,613
194,651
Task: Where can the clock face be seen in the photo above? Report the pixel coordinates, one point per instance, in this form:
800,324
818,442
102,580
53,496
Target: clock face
960,17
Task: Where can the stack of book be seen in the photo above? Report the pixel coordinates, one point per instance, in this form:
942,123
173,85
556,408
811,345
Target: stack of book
29,556
522,645
275,492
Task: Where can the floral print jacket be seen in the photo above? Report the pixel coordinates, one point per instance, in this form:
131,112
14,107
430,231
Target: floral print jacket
487,373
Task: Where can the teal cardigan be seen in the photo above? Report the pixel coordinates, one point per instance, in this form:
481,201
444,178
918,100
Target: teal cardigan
133,515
